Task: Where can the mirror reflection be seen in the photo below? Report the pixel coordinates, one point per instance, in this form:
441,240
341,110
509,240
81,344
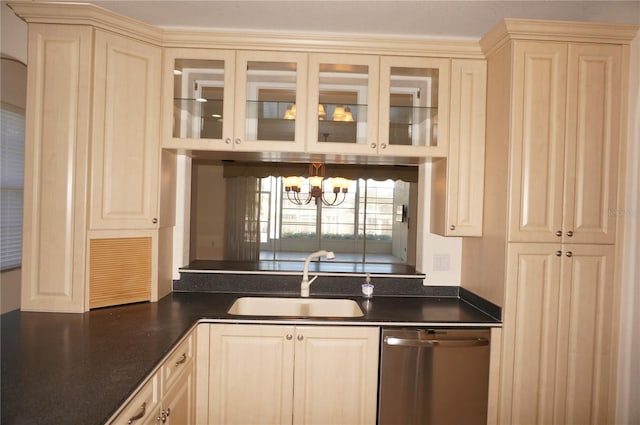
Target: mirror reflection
242,212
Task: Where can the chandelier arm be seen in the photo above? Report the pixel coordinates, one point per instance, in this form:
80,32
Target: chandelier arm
295,200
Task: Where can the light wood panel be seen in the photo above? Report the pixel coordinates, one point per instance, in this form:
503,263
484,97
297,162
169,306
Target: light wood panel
119,271
126,139
594,99
537,156
251,377
336,375
458,182
56,168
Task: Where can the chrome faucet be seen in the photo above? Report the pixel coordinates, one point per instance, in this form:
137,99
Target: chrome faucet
306,283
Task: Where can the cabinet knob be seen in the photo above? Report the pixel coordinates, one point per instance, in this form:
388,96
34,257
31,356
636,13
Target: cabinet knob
569,254
558,253
452,227
300,337
570,233
238,141
227,141
558,233
383,145
154,221
289,337
373,145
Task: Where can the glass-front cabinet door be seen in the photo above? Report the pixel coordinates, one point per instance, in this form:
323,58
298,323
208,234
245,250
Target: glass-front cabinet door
224,100
343,99
270,109
414,106
198,98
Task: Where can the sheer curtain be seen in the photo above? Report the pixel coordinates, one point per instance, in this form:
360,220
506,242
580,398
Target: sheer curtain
242,224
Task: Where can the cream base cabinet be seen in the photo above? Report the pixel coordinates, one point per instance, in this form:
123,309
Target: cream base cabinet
558,334
168,395
277,374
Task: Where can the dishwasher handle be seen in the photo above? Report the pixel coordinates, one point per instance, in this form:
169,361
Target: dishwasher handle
466,342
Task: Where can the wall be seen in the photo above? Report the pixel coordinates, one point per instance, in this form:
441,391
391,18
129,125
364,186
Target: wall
628,411
13,91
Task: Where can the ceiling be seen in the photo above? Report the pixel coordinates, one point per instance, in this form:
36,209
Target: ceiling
413,18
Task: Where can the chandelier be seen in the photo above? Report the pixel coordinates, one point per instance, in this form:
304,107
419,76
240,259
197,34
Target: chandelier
293,187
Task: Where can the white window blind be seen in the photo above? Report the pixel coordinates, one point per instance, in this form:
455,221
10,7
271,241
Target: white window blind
11,185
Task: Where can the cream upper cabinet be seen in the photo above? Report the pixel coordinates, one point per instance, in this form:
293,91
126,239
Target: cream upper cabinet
413,118
56,171
125,143
342,103
457,194
378,105
234,100
566,133
558,333
286,374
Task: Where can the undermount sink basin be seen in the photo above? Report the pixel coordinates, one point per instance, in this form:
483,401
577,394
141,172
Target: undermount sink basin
295,307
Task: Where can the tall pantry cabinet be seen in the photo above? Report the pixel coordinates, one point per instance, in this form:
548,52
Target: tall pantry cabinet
556,96
92,171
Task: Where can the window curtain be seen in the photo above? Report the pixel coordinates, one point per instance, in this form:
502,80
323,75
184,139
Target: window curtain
242,221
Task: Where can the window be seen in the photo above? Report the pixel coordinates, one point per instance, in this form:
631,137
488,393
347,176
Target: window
11,186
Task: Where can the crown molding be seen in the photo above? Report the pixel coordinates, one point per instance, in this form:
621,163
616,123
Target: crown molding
85,14
96,16
330,43
549,30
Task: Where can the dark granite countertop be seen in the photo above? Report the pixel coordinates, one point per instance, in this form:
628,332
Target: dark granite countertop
62,368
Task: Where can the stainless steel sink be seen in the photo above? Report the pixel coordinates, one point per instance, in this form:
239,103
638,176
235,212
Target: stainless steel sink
295,307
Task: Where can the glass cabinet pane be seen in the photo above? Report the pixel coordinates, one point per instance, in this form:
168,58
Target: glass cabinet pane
198,103
343,98
270,95
413,106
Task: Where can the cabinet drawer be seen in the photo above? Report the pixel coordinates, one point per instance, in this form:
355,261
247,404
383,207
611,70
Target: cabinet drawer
141,408
180,359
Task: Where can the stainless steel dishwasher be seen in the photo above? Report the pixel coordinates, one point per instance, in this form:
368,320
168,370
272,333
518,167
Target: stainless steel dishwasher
434,376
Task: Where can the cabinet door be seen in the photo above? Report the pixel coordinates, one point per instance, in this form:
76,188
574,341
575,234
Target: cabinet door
251,377
530,332
538,131
458,181
270,108
586,340
125,148
414,99
56,168
343,99
178,403
593,138
336,375
198,99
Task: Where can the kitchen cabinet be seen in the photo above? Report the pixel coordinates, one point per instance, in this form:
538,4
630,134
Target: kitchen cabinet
292,374
125,154
458,180
555,112
56,173
566,131
378,105
558,327
234,100
168,395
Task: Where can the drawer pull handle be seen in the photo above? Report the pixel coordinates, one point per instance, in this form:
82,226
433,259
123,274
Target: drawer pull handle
183,358
140,414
